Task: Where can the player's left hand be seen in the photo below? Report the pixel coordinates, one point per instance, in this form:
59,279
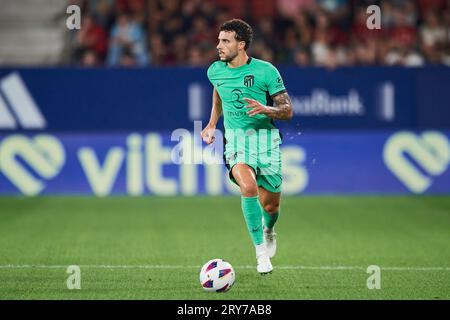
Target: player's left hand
255,106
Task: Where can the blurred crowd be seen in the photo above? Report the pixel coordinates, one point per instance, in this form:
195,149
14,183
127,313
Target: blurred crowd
327,33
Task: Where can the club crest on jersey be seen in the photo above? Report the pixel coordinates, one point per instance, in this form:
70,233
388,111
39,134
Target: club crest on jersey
249,80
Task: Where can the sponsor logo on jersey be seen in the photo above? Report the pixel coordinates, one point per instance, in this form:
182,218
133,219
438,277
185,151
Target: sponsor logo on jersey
236,96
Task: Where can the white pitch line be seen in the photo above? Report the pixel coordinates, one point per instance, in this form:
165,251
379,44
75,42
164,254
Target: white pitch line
162,266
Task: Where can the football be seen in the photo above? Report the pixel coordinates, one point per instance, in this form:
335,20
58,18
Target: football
217,275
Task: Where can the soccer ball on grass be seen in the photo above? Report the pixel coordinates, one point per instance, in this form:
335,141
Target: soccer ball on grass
217,275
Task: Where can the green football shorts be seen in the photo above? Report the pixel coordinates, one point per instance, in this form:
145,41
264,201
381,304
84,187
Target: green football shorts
266,164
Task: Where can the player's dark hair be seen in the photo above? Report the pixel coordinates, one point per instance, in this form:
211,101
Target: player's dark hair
243,30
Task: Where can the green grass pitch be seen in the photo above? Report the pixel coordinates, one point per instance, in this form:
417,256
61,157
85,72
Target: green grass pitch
153,247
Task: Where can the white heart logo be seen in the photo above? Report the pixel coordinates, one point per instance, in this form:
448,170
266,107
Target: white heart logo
43,153
430,151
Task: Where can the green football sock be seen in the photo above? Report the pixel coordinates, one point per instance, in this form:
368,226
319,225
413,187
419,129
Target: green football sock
253,215
270,219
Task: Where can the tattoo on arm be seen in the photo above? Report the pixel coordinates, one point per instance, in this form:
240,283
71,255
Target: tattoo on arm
282,109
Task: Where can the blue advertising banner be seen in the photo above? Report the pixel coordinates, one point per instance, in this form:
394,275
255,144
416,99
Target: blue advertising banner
141,163
68,100
352,97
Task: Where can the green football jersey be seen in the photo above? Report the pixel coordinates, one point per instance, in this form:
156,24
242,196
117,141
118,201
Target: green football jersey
258,80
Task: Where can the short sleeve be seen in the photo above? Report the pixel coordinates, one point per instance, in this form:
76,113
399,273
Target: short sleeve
210,72
274,80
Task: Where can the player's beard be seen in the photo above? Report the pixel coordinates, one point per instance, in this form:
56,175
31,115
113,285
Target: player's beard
230,57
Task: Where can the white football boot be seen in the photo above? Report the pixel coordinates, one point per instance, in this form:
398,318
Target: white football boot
270,241
263,260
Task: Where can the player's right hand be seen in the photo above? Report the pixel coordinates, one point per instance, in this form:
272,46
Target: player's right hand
208,134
